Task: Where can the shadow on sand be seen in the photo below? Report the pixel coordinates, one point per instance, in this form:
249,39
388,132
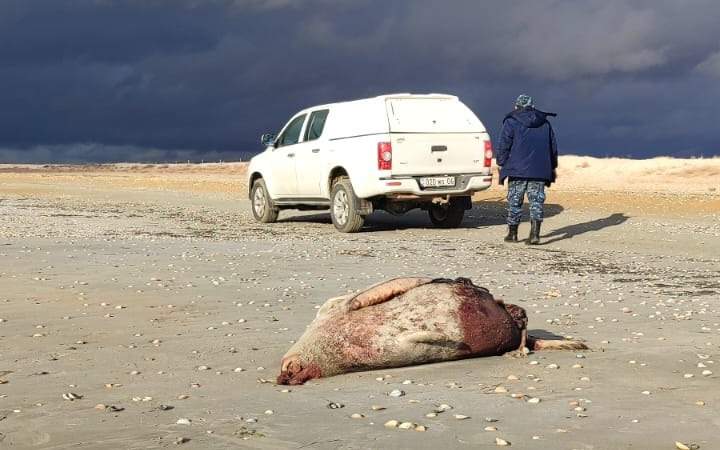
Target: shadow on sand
544,334
571,231
483,214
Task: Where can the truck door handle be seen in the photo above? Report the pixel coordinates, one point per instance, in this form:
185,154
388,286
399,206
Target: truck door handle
438,148
291,155
316,150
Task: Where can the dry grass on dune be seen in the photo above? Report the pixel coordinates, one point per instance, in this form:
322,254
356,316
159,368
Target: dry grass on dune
659,186
661,174
221,178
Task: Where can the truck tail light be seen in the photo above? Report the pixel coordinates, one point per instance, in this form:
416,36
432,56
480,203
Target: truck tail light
384,155
488,153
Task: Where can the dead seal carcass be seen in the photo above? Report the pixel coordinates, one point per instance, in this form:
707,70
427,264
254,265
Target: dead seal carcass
408,321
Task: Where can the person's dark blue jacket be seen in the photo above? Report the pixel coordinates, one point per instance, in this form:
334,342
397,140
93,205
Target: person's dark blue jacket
527,148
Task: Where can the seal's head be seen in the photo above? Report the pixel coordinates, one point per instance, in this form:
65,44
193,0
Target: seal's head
294,371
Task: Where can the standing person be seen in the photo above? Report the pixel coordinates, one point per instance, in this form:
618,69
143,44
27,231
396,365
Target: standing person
527,155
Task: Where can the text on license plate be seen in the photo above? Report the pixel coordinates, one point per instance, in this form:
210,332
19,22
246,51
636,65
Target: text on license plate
437,181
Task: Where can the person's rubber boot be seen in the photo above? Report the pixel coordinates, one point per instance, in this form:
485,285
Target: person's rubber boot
534,232
512,233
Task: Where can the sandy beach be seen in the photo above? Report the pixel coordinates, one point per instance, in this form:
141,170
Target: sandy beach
141,307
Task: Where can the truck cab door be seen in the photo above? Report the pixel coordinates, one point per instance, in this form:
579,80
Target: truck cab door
283,172
310,156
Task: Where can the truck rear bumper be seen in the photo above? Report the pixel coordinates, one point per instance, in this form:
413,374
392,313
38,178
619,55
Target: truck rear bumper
465,184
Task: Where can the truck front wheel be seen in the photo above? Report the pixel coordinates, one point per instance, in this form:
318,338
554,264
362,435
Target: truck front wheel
262,206
449,215
344,207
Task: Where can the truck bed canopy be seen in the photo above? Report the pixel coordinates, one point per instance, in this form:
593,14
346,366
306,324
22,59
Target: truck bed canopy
431,115
401,113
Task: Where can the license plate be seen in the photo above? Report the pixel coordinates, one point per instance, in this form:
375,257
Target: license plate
437,181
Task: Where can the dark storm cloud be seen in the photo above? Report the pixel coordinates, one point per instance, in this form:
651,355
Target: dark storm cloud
110,80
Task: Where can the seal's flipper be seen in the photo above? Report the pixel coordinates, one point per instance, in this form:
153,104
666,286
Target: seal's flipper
555,344
385,291
332,304
430,338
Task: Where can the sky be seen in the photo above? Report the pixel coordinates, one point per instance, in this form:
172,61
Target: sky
176,80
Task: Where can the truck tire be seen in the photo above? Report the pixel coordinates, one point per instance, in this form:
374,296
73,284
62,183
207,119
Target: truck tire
344,207
261,204
449,215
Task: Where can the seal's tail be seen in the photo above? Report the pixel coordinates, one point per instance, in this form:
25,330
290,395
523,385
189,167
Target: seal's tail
554,344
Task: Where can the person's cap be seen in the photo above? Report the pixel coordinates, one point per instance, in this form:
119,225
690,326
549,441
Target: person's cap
524,101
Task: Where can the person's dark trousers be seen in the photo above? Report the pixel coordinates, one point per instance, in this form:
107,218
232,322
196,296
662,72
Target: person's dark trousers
535,190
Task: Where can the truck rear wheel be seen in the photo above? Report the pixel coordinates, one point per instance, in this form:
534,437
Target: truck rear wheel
344,207
262,206
449,215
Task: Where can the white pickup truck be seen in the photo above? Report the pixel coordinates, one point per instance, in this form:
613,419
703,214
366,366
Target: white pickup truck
392,153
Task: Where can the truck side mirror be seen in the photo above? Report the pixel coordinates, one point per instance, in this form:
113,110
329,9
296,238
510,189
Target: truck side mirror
267,139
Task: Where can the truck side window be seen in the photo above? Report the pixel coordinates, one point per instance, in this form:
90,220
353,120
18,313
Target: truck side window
291,135
316,124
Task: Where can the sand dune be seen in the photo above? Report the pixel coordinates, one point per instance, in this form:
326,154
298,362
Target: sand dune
652,186
575,173
657,174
